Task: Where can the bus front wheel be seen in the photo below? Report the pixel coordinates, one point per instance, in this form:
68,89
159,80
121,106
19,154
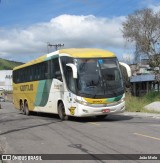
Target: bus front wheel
61,112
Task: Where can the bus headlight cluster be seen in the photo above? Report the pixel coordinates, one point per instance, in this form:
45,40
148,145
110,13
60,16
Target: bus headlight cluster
122,99
82,102
116,103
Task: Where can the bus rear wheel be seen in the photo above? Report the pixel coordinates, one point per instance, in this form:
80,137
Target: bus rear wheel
22,107
26,110
61,112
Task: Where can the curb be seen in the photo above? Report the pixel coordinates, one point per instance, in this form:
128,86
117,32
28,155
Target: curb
151,115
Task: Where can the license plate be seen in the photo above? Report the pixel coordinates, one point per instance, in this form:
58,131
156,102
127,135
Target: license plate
105,110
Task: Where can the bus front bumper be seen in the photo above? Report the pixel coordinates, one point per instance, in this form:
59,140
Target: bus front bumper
86,111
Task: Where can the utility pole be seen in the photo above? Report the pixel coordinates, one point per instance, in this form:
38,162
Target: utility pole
54,45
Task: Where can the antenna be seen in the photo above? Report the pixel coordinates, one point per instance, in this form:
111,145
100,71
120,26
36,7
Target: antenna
54,45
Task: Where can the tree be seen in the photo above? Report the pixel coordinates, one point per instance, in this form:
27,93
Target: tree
143,28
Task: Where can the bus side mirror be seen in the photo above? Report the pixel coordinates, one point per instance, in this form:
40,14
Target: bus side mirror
74,69
127,68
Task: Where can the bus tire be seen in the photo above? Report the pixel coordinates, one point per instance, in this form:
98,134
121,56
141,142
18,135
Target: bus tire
61,112
26,110
22,107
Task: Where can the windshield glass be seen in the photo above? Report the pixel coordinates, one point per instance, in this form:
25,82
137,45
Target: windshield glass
97,78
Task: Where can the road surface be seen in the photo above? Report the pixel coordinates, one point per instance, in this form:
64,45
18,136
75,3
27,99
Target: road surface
46,134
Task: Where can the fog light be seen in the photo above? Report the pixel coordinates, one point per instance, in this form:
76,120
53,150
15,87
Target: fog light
86,111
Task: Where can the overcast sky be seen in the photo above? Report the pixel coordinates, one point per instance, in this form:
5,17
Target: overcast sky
27,25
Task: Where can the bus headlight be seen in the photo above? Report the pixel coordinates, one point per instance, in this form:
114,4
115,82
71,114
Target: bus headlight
122,99
82,102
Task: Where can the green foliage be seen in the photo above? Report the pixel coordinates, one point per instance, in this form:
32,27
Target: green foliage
136,104
143,28
152,96
8,65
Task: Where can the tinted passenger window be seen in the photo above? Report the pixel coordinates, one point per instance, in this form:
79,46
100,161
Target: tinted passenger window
41,71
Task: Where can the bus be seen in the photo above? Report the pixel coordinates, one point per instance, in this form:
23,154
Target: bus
78,82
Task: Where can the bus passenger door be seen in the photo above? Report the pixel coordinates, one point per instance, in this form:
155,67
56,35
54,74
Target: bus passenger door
70,94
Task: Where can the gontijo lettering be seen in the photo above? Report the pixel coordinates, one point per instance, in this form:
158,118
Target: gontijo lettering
28,87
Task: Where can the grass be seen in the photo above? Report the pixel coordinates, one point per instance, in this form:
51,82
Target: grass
136,104
8,65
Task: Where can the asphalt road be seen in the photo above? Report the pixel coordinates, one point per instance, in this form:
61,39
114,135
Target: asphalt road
46,134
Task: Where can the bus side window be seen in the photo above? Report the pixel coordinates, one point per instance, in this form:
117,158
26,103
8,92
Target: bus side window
15,76
39,73
31,73
22,73
18,75
42,71
46,70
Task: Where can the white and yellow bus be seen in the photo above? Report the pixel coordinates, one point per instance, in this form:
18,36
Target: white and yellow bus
70,82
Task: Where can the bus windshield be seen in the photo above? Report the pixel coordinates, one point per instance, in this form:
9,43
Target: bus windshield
97,78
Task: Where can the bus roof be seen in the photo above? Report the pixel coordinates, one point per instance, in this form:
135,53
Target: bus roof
72,52
87,53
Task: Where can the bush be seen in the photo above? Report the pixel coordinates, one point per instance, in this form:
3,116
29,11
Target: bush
136,104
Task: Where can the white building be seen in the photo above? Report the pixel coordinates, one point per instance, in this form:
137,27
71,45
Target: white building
6,80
